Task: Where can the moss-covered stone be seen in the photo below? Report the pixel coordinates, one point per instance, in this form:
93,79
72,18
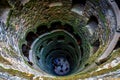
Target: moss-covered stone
17,73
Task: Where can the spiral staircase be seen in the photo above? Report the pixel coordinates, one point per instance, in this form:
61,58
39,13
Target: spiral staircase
59,39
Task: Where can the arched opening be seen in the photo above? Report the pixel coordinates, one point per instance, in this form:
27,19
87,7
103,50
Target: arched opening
93,19
25,50
81,2
78,6
56,25
4,4
69,28
92,24
96,45
42,29
31,36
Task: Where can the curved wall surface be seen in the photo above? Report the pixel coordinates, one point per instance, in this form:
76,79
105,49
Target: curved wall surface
59,39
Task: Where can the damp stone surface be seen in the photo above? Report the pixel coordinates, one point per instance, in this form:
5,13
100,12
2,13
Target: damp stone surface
59,39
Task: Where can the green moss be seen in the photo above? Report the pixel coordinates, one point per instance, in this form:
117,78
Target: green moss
8,18
103,19
113,55
92,72
95,2
4,61
36,13
17,73
96,55
10,51
85,75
